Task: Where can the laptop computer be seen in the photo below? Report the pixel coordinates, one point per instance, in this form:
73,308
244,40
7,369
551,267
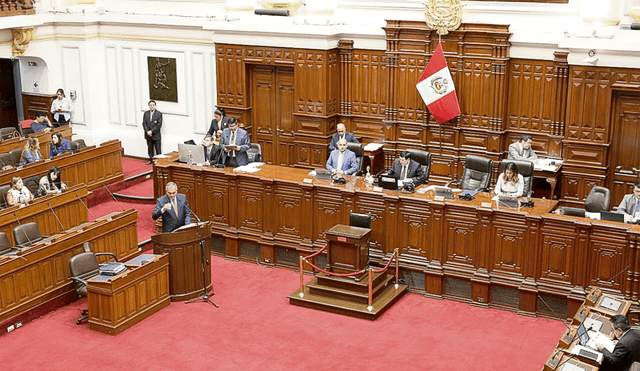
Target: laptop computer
322,173
387,182
509,201
445,192
611,216
190,153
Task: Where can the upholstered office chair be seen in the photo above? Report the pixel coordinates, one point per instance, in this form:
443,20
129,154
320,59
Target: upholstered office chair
3,196
16,153
525,168
33,184
598,199
255,153
82,267
360,220
476,175
8,133
5,245
26,234
78,144
7,159
424,159
358,149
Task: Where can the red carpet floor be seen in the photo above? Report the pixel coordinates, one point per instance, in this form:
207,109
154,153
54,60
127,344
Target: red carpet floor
256,329
132,166
144,189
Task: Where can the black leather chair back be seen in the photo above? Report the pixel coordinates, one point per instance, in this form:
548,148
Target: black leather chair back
358,149
573,211
8,133
26,234
16,153
83,266
360,220
525,168
598,199
33,184
77,145
7,159
424,159
255,153
477,173
5,245
3,196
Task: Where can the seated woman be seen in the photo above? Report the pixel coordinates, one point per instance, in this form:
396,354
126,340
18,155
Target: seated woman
18,194
510,183
31,152
51,183
59,145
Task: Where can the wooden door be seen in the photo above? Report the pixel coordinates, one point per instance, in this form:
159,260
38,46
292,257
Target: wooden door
272,93
624,157
8,110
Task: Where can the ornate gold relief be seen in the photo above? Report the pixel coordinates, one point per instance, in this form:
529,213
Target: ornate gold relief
443,15
21,39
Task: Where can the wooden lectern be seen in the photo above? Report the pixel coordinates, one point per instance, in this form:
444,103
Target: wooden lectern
185,259
347,250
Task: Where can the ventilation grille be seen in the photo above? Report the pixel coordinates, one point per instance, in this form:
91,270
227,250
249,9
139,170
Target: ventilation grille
219,244
415,280
457,287
249,249
287,257
558,304
505,295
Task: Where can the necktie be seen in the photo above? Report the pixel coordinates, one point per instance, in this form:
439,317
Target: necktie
340,158
637,207
404,173
175,206
233,142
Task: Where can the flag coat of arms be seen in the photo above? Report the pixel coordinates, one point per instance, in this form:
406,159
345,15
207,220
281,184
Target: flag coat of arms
436,88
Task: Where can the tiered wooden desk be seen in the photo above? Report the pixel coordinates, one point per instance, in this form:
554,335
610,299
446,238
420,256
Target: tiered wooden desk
453,249
43,138
594,308
119,302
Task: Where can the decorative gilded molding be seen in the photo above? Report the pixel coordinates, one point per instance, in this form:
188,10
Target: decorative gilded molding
21,39
443,15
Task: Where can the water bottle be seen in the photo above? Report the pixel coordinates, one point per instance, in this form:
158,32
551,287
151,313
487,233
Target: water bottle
190,159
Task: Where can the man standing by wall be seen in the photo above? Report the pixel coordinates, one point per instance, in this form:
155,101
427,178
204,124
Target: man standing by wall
152,123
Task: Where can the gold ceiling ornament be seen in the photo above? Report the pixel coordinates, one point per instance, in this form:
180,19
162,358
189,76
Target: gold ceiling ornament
21,39
443,15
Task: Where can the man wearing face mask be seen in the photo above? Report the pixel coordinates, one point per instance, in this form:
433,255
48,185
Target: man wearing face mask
626,351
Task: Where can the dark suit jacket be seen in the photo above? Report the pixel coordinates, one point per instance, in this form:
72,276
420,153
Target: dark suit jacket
215,126
152,123
335,138
624,353
628,205
170,221
414,171
242,140
213,157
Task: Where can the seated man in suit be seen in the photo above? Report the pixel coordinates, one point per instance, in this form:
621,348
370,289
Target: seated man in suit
342,161
521,150
406,169
235,142
41,123
630,204
626,351
342,133
212,152
174,209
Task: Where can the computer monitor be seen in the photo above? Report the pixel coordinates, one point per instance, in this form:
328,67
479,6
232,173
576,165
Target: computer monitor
445,192
388,182
322,173
509,201
583,335
613,217
191,153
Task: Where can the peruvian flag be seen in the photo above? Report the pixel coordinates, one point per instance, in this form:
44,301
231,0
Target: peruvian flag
437,90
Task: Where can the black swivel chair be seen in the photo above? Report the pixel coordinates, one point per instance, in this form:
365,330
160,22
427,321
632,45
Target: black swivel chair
26,234
476,175
8,133
33,184
360,220
255,153
77,145
7,159
82,267
3,196
358,149
598,199
16,153
5,245
525,168
424,159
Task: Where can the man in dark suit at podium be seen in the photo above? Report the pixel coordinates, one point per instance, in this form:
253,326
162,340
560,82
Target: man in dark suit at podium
626,351
174,209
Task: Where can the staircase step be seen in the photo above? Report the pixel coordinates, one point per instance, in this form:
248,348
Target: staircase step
349,283
317,288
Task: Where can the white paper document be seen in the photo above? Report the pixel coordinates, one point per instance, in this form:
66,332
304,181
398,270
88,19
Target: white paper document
371,147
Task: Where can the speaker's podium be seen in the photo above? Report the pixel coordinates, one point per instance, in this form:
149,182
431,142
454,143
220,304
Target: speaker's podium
185,259
347,254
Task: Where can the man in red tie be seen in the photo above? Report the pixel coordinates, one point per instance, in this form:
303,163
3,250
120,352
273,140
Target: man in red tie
174,209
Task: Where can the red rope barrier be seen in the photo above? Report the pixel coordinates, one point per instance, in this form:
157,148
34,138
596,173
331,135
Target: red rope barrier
387,266
334,274
317,252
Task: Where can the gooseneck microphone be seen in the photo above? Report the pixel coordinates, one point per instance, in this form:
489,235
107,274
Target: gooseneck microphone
85,206
114,197
23,231
58,219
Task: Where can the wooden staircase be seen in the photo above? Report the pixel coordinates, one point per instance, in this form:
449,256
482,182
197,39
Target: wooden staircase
348,296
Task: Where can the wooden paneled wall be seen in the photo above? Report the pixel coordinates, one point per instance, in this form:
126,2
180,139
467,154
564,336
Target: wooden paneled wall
572,112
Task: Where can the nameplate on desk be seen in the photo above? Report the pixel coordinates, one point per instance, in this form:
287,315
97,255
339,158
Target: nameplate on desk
486,204
438,198
307,180
377,189
342,239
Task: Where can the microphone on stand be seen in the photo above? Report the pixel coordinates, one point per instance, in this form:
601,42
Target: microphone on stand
85,206
114,197
556,314
23,231
58,219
